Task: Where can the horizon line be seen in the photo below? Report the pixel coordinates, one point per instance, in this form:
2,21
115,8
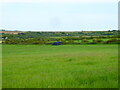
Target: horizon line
54,30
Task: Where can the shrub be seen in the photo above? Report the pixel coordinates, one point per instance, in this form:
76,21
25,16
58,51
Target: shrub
97,40
112,41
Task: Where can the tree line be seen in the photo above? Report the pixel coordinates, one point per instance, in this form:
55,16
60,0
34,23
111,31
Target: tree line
64,40
47,38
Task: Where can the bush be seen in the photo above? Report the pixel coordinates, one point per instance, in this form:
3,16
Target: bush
113,41
97,40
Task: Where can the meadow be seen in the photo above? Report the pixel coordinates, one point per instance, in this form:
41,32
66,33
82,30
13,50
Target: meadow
0,66
65,66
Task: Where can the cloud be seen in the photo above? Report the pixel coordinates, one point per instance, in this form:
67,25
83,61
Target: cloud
60,1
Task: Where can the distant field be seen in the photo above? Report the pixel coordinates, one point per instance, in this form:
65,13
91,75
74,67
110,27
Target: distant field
65,66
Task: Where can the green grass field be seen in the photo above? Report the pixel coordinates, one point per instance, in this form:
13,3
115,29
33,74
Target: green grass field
65,66
0,66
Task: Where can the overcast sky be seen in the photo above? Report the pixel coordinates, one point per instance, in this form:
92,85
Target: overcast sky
59,15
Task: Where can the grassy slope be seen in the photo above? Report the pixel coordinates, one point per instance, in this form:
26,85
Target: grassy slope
69,66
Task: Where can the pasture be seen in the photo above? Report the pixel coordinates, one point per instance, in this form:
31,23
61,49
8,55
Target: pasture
65,66
0,66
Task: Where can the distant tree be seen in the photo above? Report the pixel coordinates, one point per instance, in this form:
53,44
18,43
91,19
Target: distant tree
113,40
85,40
96,40
2,30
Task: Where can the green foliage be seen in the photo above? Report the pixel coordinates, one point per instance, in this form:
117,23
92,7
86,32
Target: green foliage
97,40
84,40
86,37
113,41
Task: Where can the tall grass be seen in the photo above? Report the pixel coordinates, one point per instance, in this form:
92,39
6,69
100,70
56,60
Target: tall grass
0,66
65,66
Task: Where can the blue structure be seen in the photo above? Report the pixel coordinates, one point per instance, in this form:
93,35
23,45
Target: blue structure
57,43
